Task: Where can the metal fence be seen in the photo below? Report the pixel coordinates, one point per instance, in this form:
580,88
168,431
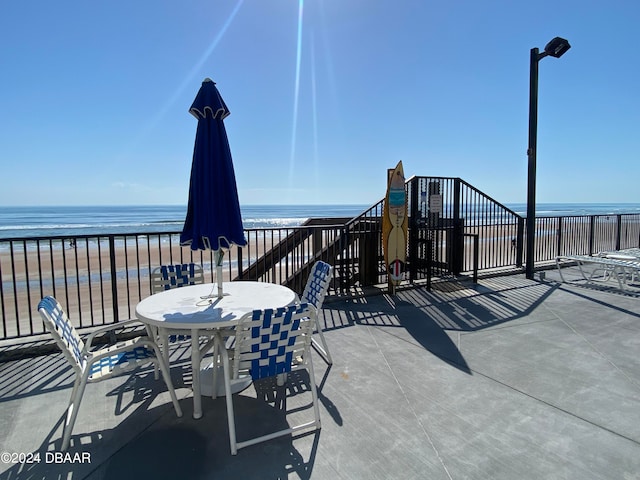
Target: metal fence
100,279
585,235
453,229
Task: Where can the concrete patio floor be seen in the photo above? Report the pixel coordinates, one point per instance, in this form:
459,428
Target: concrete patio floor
505,379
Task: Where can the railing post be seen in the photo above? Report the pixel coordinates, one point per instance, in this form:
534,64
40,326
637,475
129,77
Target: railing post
458,243
429,262
240,267
618,232
592,224
346,260
114,286
413,230
519,242
476,251
559,239
316,240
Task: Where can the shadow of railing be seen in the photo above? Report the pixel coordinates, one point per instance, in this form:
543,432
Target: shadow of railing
431,317
138,427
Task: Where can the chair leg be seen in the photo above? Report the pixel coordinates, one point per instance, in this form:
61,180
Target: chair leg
314,391
229,399
72,410
216,352
152,333
324,350
164,340
166,374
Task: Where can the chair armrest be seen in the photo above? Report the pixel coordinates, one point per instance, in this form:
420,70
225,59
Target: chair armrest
125,346
108,328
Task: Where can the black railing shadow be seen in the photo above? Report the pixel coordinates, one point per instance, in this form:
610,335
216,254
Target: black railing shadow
180,448
44,374
426,331
433,317
151,442
88,450
31,376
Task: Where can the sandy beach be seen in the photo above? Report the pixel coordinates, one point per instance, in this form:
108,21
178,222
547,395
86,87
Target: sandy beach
80,275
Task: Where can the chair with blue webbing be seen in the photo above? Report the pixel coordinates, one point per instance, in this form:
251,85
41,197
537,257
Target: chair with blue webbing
93,365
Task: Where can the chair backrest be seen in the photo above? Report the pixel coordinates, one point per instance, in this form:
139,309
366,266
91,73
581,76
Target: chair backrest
166,277
63,332
317,284
267,341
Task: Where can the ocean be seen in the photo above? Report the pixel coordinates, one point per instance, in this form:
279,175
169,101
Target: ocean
19,222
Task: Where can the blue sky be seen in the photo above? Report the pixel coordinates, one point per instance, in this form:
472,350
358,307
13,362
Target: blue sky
324,97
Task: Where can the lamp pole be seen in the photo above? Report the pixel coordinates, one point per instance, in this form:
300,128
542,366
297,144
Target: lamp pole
555,48
531,154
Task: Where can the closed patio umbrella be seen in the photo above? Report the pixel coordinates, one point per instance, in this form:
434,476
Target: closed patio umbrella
213,219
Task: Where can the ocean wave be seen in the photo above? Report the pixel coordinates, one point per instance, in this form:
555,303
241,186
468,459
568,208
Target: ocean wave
46,227
273,222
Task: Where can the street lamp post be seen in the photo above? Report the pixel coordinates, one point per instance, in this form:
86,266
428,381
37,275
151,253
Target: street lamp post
555,48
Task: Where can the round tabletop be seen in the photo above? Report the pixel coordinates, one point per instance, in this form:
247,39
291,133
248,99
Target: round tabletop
197,306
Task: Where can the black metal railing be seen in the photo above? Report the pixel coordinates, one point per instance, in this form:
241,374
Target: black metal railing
585,235
100,279
453,229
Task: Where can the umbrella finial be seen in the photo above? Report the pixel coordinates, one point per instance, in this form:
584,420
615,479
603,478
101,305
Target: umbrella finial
207,80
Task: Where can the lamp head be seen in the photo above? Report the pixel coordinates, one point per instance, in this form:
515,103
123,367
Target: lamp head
557,47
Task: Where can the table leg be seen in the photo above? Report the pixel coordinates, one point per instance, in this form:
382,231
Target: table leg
164,343
213,381
195,372
281,379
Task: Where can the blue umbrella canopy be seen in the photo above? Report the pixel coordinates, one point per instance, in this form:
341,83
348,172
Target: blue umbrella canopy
213,219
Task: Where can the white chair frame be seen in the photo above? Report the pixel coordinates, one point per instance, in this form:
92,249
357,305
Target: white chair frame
289,331
610,268
314,293
95,365
167,277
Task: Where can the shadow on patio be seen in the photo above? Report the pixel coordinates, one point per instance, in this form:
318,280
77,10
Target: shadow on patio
509,378
150,441
432,318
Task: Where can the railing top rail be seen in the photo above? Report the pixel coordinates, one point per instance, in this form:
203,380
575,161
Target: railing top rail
162,233
595,215
436,177
491,199
365,213
413,178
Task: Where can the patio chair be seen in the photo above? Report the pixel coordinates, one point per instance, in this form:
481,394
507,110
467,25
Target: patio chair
610,267
314,293
269,343
167,277
99,364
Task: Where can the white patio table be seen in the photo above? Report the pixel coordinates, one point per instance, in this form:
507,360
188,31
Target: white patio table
193,308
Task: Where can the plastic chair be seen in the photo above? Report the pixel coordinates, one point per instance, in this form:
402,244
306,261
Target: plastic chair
99,364
314,293
167,277
269,343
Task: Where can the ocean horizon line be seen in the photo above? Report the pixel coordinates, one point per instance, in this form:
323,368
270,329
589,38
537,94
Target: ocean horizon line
175,205
50,220
119,205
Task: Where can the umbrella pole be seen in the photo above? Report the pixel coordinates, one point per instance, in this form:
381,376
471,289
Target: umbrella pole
219,272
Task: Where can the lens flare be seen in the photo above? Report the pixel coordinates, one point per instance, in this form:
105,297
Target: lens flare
296,93
188,80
